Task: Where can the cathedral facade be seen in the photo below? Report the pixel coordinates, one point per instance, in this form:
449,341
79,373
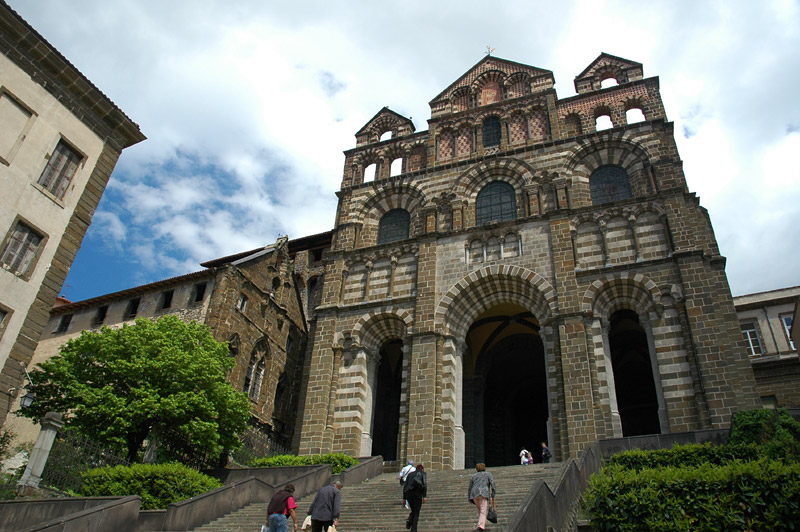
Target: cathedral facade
517,274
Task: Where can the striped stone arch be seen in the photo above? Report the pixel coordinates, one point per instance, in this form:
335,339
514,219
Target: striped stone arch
610,293
388,197
514,171
490,286
595,152
489,76
381,325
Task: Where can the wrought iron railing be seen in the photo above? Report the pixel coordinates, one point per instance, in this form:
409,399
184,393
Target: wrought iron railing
71,455
255,445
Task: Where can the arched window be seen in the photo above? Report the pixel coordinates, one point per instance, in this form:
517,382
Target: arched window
491,132
496,202
248,377
370,172
634,115
394,226
254,377
258,380
608,184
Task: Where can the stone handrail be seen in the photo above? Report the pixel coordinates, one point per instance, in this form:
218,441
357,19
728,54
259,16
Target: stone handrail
73,513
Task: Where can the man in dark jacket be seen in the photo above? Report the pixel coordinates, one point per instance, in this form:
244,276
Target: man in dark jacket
415,491
324,510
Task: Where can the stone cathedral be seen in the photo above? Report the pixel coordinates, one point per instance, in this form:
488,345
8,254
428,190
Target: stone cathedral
519,273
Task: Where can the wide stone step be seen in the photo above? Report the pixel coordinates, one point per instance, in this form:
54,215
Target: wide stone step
376,505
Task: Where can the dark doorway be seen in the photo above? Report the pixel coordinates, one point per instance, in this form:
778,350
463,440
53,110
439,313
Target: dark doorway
514,400
633,375
504,396
386,413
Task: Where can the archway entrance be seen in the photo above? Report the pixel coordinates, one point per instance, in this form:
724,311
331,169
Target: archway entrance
634,385
386,413
505,387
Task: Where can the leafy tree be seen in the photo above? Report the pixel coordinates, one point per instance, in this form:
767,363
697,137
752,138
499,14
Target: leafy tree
161,379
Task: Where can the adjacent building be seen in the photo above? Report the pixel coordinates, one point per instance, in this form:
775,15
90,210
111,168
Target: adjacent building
765,319
255,301
59,142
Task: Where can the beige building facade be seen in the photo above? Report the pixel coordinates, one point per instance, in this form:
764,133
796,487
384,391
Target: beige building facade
60,140
765,319
515,275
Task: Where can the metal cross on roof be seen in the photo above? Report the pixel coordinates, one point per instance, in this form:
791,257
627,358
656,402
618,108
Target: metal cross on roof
489,50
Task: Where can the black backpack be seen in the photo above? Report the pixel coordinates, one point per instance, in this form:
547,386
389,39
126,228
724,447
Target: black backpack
415,482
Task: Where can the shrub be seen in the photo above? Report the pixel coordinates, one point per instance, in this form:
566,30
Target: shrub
5,442
693,455
775,431
157,484
760,495
338,461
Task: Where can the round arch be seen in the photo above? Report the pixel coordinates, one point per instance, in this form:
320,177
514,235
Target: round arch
488,286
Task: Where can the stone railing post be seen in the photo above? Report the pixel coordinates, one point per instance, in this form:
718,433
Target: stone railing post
51,423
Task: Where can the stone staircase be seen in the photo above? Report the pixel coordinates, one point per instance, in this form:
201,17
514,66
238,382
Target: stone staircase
375,505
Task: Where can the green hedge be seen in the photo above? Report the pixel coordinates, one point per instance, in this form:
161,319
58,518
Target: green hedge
760,495
157,484
775,431
694,455
338,461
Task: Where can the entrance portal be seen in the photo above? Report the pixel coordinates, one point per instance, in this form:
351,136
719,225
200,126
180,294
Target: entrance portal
633,375
505,387
386,413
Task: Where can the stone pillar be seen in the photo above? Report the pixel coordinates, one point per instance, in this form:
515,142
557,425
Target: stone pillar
371,362
421,398
636,243
51,423
402,429
579,399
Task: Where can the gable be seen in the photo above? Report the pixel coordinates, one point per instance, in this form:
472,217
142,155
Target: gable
607,66
501,73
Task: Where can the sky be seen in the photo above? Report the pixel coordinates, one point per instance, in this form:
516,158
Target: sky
248,106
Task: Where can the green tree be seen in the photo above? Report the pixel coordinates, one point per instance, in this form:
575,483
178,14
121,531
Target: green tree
162,379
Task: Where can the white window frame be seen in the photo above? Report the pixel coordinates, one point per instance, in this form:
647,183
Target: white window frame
750,326
787,328
241,304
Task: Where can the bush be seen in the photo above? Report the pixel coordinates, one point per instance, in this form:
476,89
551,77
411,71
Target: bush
694,455
338,461
760,495
775,431
5,443
157,484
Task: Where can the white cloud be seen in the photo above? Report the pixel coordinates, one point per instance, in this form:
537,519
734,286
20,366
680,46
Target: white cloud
248,106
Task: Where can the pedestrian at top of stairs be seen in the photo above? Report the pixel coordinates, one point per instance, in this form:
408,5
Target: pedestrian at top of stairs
324,510
481,492
546,454
415,491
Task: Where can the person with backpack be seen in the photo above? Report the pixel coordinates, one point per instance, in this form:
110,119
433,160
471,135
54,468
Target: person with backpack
415,491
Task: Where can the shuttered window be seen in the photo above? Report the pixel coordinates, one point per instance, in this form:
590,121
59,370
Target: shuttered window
60,169
21,248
